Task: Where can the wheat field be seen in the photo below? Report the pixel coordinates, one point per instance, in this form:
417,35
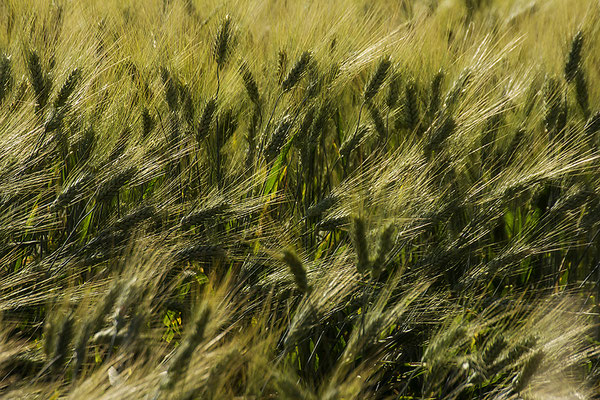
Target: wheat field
272,199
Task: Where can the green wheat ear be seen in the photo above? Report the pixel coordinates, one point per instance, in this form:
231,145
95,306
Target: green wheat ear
222,43
411,106
435,93
204,214
322,206
314,80
282,62
6,79
377,120
386,242
515,144
351,143
440,130
458,88
187,103
393,91
109,189
593,124
359,239
278,138
60,341
552,102
39,81
251,139
82,148
71,191
250,84
67,88
377,79
147,123
574,57
296,72
581,92
531,367
206,119
492,350
297,269
171,92
320,122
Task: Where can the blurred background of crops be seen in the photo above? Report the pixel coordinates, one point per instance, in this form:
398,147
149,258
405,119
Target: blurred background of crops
299,199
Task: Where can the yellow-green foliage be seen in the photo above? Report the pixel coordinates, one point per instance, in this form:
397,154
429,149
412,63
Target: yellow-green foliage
434,164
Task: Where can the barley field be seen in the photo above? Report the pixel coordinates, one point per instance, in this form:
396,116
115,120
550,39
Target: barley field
274,199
